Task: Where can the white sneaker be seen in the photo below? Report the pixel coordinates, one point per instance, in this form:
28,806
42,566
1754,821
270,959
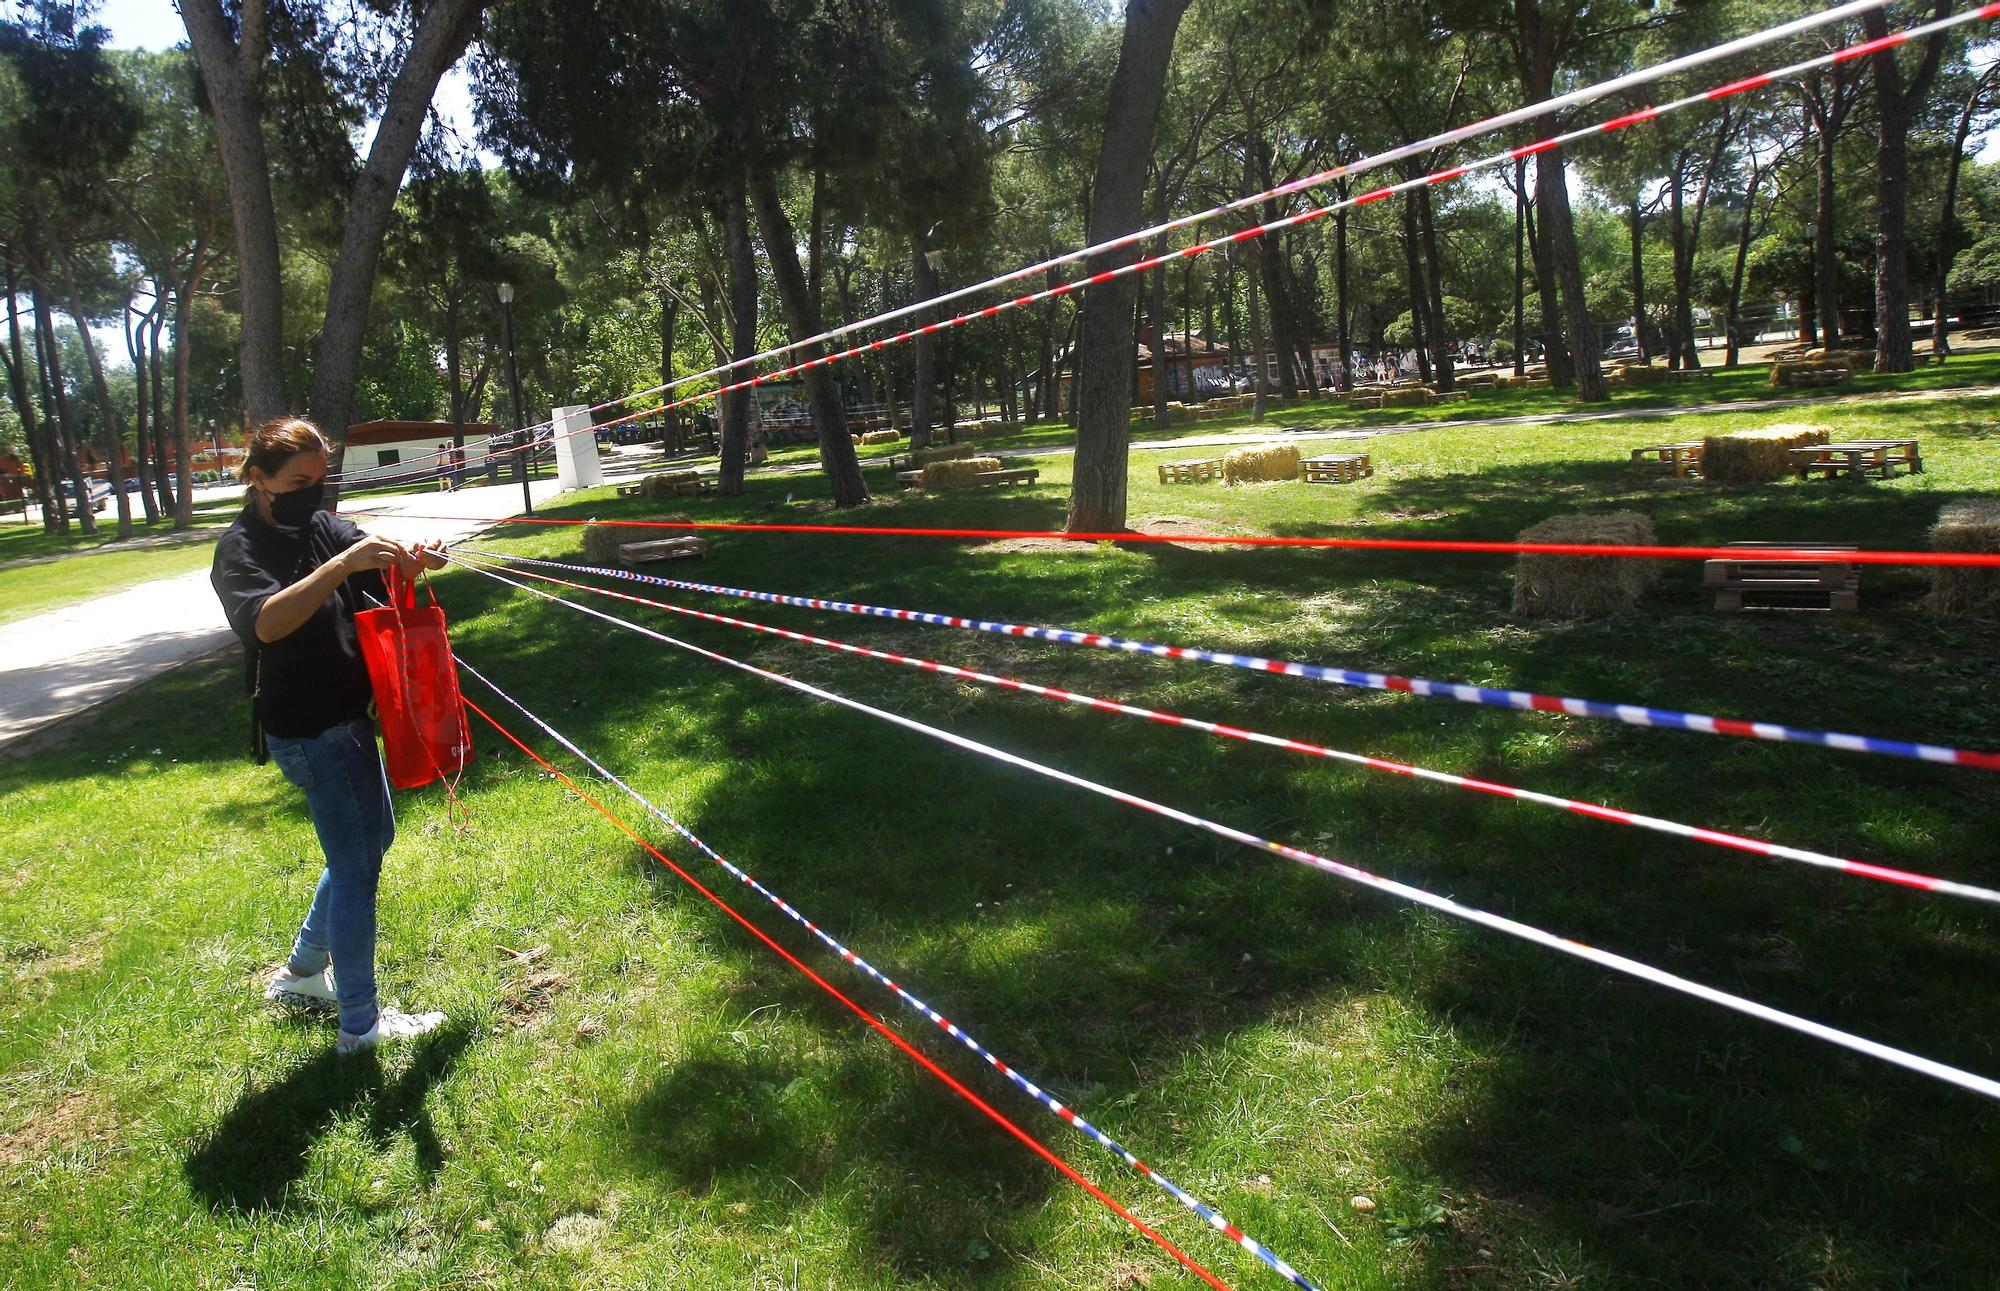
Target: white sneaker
287,987
390,1025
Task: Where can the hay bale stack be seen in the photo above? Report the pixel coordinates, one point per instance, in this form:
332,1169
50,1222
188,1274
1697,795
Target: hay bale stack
879,436
1643,374
1754,456
1970,524
1408,397
602,541
1263,462
1572,587
956,473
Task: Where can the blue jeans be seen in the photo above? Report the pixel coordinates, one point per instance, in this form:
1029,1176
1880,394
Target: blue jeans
348,794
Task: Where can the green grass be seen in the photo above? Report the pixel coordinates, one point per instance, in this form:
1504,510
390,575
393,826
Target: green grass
1269,1037
27,590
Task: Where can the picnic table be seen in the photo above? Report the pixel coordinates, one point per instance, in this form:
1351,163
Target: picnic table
1858,459
1678,460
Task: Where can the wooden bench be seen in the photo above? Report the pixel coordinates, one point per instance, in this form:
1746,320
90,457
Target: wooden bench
1678,460
985,479
1336,468
1195,472
1858,459
1817,377
1789,584
633,554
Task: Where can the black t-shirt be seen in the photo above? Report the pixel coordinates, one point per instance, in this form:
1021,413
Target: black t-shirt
315,678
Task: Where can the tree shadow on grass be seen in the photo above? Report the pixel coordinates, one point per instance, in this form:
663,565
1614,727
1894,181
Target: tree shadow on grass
263,1145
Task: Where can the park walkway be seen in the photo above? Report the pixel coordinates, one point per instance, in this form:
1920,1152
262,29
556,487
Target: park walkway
54,666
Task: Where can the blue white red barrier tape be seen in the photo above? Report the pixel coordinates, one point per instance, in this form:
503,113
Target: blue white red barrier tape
1068,1115
1617,816
1971,1081
1521,700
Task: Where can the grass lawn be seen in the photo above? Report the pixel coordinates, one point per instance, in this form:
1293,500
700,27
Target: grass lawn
656,1101
36,589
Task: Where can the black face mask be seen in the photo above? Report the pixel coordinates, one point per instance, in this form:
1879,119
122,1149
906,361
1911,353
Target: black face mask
295,509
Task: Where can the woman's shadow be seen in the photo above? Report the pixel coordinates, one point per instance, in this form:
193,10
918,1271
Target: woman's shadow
256,1152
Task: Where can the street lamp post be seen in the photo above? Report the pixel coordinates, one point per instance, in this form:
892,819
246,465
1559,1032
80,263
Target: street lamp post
505,291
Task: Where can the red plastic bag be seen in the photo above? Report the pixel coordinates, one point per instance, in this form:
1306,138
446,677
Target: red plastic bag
424,734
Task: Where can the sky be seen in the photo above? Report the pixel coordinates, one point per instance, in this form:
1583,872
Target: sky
156,24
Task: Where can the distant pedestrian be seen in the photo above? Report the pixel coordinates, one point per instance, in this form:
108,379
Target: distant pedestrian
291,578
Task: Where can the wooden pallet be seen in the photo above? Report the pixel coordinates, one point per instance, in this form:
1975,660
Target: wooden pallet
633,554
1788,584
1817,377
1336,468
1365,401
1453,396
1678,460
985,479
1195,472
1691,374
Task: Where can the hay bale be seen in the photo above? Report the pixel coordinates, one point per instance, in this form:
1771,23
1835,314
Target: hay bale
1970,524
878,437
602,541
956,473
1782,371
1643,374
1408,397
1263,462
1569,587
923,457
654,487
1754,456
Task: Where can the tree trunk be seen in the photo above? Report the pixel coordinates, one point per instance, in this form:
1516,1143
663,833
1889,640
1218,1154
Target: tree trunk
1434,280
1340,332
1259,374
1552,203
110,433
442,34
1520,279
55,395
735,410
143,455
1156,309
1104,345
670,317
923,286
1735,324
781,250
1638,278
1548,301
183,371
230,73
455,383
1809,310
1419,297
1826,234
54,518
169,481
1895,105
1680,345
1950,231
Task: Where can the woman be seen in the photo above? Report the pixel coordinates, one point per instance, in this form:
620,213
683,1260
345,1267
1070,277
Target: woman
291,578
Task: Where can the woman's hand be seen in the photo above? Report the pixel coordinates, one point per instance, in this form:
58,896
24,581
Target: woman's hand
429,554
372,552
